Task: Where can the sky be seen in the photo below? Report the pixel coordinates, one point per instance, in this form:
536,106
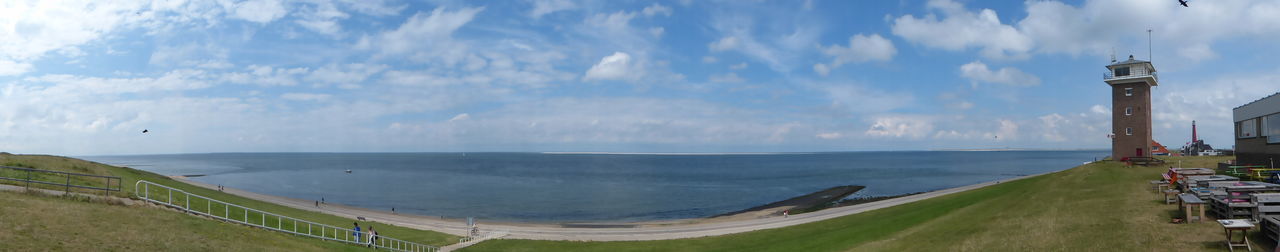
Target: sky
86,77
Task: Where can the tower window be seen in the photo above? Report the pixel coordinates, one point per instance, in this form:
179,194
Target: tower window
1128,131
1122,71
1128,91
1128,110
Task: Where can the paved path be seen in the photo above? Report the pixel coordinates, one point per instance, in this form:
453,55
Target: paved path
557,232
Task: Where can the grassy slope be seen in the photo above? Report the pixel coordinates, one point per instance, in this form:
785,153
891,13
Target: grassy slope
1097,207
50,223
130,176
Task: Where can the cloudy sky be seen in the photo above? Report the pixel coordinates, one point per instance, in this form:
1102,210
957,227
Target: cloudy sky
86,77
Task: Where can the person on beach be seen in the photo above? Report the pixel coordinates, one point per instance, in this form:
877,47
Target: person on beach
786,213
317,203
356,233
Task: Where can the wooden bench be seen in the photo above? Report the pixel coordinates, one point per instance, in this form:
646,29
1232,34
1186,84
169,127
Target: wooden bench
1271,227
1237,201
1188,201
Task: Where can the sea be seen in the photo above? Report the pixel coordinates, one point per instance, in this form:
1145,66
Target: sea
592,187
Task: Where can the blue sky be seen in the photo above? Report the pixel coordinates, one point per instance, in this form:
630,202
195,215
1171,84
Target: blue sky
85,77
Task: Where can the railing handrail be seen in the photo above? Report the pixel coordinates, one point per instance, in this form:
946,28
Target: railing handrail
62,172
382,241
67,184
1108,75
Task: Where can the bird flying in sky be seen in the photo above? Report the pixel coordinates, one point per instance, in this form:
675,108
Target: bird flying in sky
145,131
1183,2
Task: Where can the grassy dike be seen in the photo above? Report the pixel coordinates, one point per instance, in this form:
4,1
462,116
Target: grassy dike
1103,206
33,221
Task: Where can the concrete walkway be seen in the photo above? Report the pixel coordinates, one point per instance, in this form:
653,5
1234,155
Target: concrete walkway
605,233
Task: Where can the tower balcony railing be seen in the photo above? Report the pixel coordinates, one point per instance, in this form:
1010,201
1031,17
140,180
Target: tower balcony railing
1135,73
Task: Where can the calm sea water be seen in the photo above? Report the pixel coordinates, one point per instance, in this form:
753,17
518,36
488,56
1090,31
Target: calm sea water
541,187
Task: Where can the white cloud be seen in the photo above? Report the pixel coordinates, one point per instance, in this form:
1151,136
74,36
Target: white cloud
860,99
31,29
657,9
726,43
460,117
978,72
260,11
613,67
8,68
901,126
709,59
1099,109
345,75
726,78
656,31
425,37
544,7
305,96
1051,124
266,76
829,135
738,66
323,19
960,29
862,48
189,55
1094,28
821,69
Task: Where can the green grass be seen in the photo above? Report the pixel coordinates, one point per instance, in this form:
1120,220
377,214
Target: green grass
130,176
1098,207
34,222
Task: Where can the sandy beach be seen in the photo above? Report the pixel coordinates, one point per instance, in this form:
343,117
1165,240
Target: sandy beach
636,231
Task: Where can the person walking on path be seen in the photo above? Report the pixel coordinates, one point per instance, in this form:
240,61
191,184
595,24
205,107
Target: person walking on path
785,213
373,235
356,233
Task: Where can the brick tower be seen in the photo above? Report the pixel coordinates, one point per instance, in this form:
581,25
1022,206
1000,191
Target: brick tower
1131,83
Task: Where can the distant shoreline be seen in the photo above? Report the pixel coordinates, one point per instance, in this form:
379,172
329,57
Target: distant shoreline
571,152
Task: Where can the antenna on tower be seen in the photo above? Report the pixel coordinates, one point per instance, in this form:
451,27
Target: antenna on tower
1113,54
1149,46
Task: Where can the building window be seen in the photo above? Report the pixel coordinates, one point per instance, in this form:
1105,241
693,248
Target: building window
1128,110
1128,91
1248,129
1122,71
1128,131
1271,128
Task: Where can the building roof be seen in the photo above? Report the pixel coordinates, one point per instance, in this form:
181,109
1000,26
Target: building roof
1128,62
1258,100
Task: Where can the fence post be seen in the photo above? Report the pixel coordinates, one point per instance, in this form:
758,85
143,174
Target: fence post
28,179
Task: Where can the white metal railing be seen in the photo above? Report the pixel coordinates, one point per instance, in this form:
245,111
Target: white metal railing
1134,73
258,218
482,236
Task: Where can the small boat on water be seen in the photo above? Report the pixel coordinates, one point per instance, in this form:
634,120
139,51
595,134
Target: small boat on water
348,170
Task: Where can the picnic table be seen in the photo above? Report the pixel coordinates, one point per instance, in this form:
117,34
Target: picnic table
1188,201
1232,225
